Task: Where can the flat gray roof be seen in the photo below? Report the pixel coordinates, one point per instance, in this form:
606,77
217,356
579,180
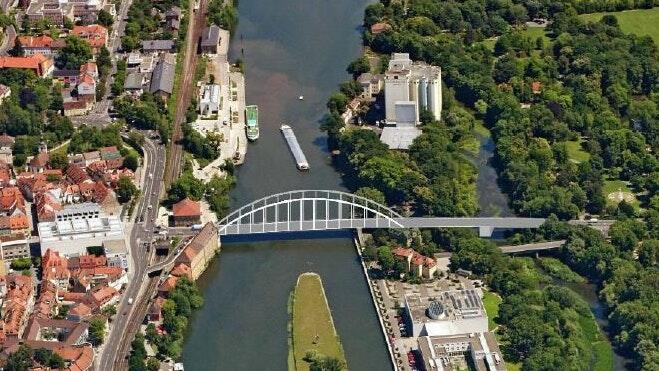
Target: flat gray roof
399,137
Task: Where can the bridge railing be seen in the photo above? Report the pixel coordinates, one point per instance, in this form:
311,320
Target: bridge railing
308,210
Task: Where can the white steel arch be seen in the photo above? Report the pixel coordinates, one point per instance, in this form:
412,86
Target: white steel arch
308,210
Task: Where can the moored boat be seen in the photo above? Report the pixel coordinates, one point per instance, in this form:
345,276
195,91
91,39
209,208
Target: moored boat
252,122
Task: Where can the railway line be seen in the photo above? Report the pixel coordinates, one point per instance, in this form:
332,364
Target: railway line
186,89
140,310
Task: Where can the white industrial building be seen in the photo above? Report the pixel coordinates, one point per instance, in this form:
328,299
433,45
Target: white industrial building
438,351
209,103
449,313
408,88
76,228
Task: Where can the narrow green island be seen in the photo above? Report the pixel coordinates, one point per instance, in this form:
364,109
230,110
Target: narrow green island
313,341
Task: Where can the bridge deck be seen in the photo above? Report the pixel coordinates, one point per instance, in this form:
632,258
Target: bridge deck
372,223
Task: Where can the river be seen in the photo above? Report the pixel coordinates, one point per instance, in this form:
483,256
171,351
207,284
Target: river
290,48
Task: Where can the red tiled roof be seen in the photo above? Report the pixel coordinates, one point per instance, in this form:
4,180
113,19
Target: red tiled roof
403,252
40,160
80,310
96,35
42,41
37,62
186,207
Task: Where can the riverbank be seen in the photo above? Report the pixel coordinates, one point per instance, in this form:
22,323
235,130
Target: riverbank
313,335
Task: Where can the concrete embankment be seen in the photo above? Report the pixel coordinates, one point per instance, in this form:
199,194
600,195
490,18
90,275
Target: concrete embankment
359,241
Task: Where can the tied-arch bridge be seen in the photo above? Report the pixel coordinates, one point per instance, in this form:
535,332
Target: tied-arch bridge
322,210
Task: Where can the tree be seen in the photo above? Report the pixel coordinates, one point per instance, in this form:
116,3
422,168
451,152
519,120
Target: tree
96,331
126,189
386,258
337,103
17,50
20,360
58,160
105,18
21,264
648,253
152,364
109,310
359,66
131,161
75,52
372,194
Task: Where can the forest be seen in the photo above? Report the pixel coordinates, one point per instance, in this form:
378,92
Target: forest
573,113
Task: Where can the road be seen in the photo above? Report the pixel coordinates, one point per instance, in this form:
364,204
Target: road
129,316
8,40
186,89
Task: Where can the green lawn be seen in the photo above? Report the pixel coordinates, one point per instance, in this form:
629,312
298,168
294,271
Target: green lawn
312,328
640,22
613,186
535,32
576,152
491,302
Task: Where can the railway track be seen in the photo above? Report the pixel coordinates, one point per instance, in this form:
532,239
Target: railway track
186,89
140,310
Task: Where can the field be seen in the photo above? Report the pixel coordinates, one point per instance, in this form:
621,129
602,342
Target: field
491,302
312,326
639,22
575,152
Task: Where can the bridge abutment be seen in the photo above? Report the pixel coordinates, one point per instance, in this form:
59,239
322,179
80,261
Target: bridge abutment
485,232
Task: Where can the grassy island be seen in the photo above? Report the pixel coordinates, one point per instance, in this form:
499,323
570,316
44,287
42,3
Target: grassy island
313,338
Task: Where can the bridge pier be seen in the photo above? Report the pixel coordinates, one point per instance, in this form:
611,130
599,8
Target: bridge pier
485,232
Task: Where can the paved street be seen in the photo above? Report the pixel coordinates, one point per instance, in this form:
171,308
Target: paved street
123,327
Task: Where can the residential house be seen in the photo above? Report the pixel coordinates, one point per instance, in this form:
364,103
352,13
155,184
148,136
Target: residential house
209,104
6,141
167,286
32,45
415,263
116,253
214,40
186,213
95,34
39,162
17,301
79,312
134,83
157,46
55,269
14,247
371,85
41,65
162,79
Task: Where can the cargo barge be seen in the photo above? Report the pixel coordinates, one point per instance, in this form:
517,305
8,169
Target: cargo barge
294,146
